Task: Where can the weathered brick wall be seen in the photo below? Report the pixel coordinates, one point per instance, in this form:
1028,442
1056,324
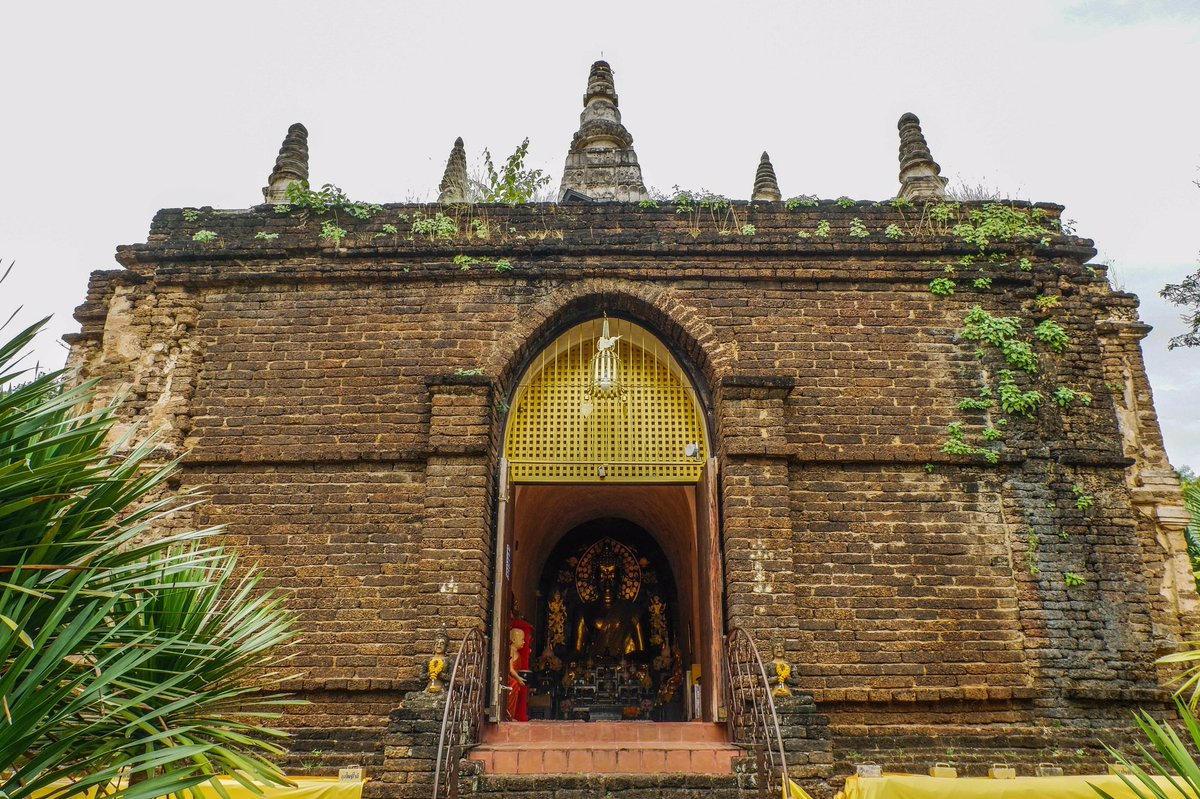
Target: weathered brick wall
907,586
344,405
344,541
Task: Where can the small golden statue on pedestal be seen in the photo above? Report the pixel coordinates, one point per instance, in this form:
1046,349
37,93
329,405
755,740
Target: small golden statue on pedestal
783,671
437,663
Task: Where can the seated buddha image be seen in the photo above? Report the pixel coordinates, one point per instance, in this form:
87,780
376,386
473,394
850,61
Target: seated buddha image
612,624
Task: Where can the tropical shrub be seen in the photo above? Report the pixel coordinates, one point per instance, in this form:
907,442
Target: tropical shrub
132,661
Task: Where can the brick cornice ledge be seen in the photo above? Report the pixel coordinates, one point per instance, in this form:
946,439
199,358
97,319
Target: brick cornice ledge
746,385
758,449
453,380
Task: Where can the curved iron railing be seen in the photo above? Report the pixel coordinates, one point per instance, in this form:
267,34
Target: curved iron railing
463,713
751,707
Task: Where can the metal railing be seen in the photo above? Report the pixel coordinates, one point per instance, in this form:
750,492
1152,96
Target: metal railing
753,724
463,714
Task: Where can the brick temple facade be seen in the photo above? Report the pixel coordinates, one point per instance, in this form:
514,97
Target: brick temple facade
954,570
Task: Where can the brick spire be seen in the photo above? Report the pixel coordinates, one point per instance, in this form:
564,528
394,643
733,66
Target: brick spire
290,166
920,175
601,164
453,187
766,187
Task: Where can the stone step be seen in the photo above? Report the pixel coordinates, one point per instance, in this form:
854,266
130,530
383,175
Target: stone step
581,732
599,757
605,747
606,786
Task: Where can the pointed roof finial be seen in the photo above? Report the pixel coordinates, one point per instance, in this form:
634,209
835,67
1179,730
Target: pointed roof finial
601,163
766,187
453,187
291,165
920,175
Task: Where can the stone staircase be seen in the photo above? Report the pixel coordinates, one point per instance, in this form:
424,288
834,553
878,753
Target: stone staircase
626,759
604,786
606,747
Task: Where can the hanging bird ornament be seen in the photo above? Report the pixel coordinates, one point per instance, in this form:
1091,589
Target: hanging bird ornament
606,365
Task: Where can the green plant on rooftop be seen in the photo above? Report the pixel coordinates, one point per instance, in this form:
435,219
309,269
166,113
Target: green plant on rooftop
801,201
331,232
1001,222
436,227
512,183
705,206
328,199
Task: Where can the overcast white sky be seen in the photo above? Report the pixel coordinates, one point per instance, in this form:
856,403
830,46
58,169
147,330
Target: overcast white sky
114,110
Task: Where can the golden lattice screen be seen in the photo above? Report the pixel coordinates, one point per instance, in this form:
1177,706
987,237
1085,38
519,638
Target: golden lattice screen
560,431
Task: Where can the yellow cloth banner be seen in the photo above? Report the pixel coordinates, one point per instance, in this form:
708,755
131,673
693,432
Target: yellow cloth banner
306,788
794,791
916,786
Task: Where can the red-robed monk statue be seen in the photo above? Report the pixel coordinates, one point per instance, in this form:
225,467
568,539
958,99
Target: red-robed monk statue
520,645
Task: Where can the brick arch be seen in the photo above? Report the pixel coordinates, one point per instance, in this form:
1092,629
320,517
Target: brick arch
660,310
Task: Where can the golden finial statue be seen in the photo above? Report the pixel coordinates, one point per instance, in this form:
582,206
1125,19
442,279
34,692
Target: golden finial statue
437,663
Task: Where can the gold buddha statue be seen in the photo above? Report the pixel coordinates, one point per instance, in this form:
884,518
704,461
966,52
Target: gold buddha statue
612,627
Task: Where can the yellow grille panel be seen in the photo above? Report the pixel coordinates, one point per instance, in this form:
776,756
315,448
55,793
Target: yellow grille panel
560,432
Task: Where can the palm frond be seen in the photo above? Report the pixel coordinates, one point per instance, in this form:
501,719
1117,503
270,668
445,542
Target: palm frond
123,652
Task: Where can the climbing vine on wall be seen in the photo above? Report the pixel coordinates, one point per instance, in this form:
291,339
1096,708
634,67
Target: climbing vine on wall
1005,238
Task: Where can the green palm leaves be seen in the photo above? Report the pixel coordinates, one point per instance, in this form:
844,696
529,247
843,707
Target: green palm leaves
128,658
1168,770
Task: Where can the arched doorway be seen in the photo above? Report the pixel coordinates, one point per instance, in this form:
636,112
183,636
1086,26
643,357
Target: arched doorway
606,430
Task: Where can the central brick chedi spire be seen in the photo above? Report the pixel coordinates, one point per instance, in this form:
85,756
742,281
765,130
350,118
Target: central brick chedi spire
601,164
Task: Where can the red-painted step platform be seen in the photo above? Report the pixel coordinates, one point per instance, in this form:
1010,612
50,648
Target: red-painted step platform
605,747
